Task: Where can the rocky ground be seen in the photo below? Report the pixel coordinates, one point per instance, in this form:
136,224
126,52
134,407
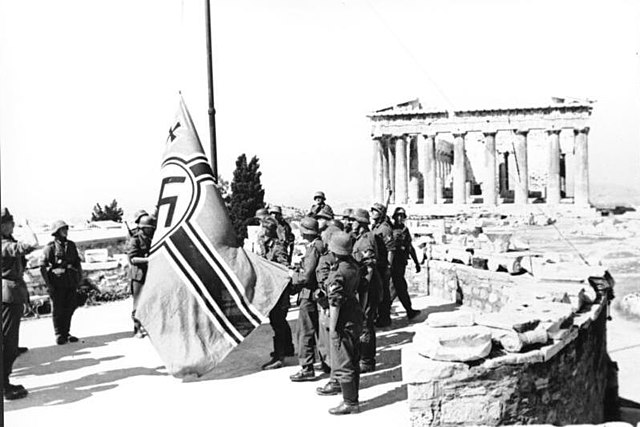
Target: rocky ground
110,378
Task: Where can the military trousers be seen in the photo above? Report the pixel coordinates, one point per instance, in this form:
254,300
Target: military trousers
11,316
399,288
282,342
136,288
324,342
369,298
307,331
345,352
64,300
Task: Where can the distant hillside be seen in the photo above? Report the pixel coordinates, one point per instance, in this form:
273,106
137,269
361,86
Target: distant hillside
609,194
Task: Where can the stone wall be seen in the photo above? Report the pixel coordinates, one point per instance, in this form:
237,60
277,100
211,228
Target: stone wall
561,385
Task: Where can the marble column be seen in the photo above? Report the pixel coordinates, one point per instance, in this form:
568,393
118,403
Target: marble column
553,176
413,169
521,193
378,175
386,182
402,185
391,154
489,195
459,171
581,183
428,171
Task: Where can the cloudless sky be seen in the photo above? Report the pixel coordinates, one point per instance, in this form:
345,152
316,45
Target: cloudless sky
88,89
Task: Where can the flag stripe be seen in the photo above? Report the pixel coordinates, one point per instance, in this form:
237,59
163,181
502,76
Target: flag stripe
213,283
224,269
212,311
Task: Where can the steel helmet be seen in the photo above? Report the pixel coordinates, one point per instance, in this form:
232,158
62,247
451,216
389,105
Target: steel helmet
399,211
147,221
362,216
341,244
275,209
261,213
380,208
319,194
347,213
139,214
309,225
57,226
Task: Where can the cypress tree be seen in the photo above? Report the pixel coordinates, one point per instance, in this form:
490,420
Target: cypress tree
247,194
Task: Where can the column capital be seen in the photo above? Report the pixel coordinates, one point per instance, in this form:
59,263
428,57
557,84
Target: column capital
458,134
431,135
584,130
487,133
523,132
553,131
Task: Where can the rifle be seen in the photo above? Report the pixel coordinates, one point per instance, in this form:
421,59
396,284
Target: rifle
389,193
128,229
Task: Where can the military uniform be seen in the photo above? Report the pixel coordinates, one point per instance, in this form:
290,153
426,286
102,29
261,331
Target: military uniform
62,266
274,250
365,253
384,238
346,326
322,273
14,296
306,282
403,247
286,235
137,247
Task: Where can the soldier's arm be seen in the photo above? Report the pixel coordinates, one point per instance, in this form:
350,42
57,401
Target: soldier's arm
135,253
46,264
77,264
387,238
336,299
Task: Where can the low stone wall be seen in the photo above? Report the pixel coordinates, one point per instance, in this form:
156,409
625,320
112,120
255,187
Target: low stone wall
560,382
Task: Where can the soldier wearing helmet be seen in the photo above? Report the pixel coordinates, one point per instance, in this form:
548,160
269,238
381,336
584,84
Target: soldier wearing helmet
284,230
305,282
403,249
366,253
62,271
345,318
138,248
319,205
386,247
347,218
14,296
273,249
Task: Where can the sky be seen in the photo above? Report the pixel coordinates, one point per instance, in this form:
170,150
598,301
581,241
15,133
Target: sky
88,90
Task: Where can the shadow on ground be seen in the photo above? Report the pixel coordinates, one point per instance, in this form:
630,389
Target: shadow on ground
75,390
46,360
629,411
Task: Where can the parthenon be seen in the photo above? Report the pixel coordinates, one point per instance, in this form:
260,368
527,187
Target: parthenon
519,155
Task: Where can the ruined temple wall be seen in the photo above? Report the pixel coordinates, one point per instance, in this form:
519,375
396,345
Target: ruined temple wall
568,388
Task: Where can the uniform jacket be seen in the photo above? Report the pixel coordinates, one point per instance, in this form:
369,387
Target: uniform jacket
14,289
275,251
284,232
317,207
138,247
62,263
306,279
384,237
402,242
342,284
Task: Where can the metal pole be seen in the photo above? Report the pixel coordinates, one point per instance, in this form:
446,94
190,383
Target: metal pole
212,111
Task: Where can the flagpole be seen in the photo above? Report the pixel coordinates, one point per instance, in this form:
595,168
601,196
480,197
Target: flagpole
212,111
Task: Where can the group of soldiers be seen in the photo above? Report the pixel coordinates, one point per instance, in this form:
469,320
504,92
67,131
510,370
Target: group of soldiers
61,271
352,270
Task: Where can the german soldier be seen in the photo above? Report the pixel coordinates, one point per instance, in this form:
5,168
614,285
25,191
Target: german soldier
61,270
275,251
386,247
138,251
284,230
365,252
14,296
345,316
403,250
320,204
305,281
346,219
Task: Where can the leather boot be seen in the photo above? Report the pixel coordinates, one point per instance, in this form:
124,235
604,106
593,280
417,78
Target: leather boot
305,374
332,388
350,403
